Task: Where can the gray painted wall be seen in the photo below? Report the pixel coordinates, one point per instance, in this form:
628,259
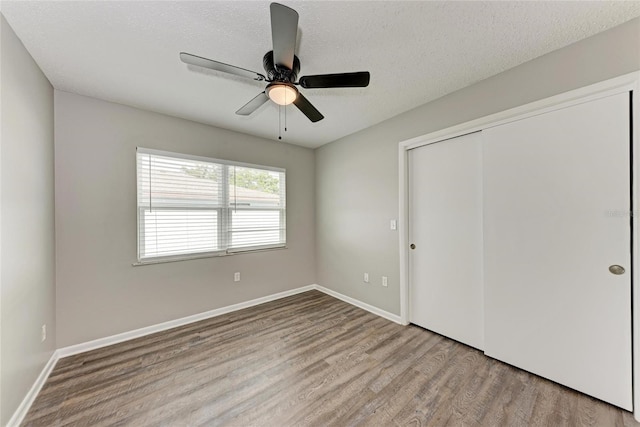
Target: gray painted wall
99,292
357,176
27,287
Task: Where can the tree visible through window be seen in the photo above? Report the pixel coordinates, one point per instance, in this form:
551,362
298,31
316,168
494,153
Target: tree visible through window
190,206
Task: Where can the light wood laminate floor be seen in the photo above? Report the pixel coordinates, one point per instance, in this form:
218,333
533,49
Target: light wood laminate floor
309,359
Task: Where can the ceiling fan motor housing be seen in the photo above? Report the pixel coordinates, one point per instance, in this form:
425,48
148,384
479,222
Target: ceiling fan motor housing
280,73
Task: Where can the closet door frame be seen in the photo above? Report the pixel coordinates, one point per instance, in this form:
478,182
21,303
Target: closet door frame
625,83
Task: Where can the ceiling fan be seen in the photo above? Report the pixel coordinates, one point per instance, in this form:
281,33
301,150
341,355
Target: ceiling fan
282,67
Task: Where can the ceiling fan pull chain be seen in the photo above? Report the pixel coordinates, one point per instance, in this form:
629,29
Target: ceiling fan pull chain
279,122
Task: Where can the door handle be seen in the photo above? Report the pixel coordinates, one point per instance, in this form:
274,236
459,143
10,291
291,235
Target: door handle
616,269
412,246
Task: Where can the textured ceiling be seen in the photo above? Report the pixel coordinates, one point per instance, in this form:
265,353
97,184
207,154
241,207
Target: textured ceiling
127,52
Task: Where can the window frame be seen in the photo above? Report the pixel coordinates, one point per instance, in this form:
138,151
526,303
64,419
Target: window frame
223,213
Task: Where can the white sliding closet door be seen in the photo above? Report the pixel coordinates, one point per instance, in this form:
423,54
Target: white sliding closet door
445,217
556,217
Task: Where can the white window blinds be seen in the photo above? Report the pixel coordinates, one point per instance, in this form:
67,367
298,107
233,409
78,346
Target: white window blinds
192,206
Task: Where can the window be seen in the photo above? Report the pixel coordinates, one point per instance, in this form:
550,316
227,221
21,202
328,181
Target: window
195,206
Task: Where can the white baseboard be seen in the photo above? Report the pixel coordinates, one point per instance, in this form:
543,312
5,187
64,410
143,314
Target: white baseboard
71,350
375,310
137,333
26,403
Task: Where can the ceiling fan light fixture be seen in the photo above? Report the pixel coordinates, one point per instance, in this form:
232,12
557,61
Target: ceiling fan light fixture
282,93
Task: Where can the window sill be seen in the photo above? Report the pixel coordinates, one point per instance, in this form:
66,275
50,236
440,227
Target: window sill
153,261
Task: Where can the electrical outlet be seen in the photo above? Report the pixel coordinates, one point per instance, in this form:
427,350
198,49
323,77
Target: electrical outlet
393,224
44,333
366,277
384,281
236,277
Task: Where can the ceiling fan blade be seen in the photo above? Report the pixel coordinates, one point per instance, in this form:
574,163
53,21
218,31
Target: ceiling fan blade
359,79
187,58
253,105
284,31
307,108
